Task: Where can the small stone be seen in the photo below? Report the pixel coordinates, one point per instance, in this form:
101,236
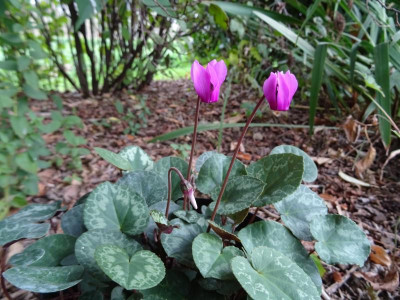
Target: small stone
258,136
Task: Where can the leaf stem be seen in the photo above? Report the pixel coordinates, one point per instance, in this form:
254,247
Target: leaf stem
234,158
170,188
189,171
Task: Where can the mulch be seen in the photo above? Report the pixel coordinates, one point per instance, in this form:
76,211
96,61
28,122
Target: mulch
376,209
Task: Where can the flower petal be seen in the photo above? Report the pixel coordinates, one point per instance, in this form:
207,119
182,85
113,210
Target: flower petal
269,89
283,94
221,70
215,83
292,83
201,81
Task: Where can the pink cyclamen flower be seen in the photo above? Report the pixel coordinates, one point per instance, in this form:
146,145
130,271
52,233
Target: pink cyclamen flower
207,81
279,89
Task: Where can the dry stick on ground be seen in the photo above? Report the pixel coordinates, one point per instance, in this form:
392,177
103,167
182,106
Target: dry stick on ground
2,269
334,287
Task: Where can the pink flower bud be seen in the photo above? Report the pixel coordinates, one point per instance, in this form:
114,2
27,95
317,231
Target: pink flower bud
207,81
279,89
190,194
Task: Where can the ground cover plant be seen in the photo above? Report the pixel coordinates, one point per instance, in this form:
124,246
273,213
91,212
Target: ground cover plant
139,238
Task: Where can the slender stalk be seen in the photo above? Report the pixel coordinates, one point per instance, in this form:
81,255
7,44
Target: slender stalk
170,188
253,217
189,171
234,158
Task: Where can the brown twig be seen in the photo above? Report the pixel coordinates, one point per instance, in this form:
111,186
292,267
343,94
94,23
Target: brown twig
2,269
334,287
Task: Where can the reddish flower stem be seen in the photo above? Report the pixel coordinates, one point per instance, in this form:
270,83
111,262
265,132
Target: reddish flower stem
170,187
189,171
234,158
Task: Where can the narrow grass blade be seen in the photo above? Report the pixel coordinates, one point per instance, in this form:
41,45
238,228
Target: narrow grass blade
316,80
382,78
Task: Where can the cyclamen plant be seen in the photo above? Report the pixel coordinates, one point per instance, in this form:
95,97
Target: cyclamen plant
133,240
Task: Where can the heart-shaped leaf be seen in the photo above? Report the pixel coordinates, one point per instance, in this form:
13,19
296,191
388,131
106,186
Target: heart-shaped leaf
211,258
162,166
310,169
142,270
340,240
87,243
282,174
15,230
213,171
72,221
191,216
274,235
56,247
147,184
202,159
222,233
138,159
178,244
298,209
44,279
36,212
240,193
26,257
271,275
115,207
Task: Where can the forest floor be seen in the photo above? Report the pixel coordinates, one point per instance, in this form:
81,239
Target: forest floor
336,149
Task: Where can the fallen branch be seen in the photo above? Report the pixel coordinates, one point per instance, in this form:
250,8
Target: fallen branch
334,287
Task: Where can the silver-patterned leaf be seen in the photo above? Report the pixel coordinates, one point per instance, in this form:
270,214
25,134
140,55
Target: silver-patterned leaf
299,209
138,159
26,258
147,184
44,279
271,275
36,212
211,258
115,207
87,243
162,166
310,169
282,174
202,159
239,194
18,229
56,247
213,171
274,235
142,270
178,244
340,240
114,158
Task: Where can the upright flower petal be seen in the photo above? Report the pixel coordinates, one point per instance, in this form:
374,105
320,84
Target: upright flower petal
269,89
282,94
201,81
215,83
221,70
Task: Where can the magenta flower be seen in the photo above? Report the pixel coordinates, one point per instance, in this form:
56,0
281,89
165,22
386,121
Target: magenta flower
279,89
208,81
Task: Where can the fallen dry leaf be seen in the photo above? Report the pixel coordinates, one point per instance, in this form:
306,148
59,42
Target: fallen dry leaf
365,163
244,156
322,160
351,129
41,190
388,281
353,180
379,256
337,277
328,197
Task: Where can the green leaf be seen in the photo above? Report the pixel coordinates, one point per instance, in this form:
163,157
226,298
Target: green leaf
114,159
213,171
87,243
178,244
240,193
72,221
340,240
220,17
274,235
271,275
211,258
190,216
56,247
5,102
310,169
115,207
163,165
299,209
161,7
15,230
44,280
118,293
382,78
174,286
9,65
23,63
147,184
202,159
317,75
138,159
85,11
26,257
74,139
319,265
20,126
158,217
36,212
142,270
33,92
282,174
25,162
